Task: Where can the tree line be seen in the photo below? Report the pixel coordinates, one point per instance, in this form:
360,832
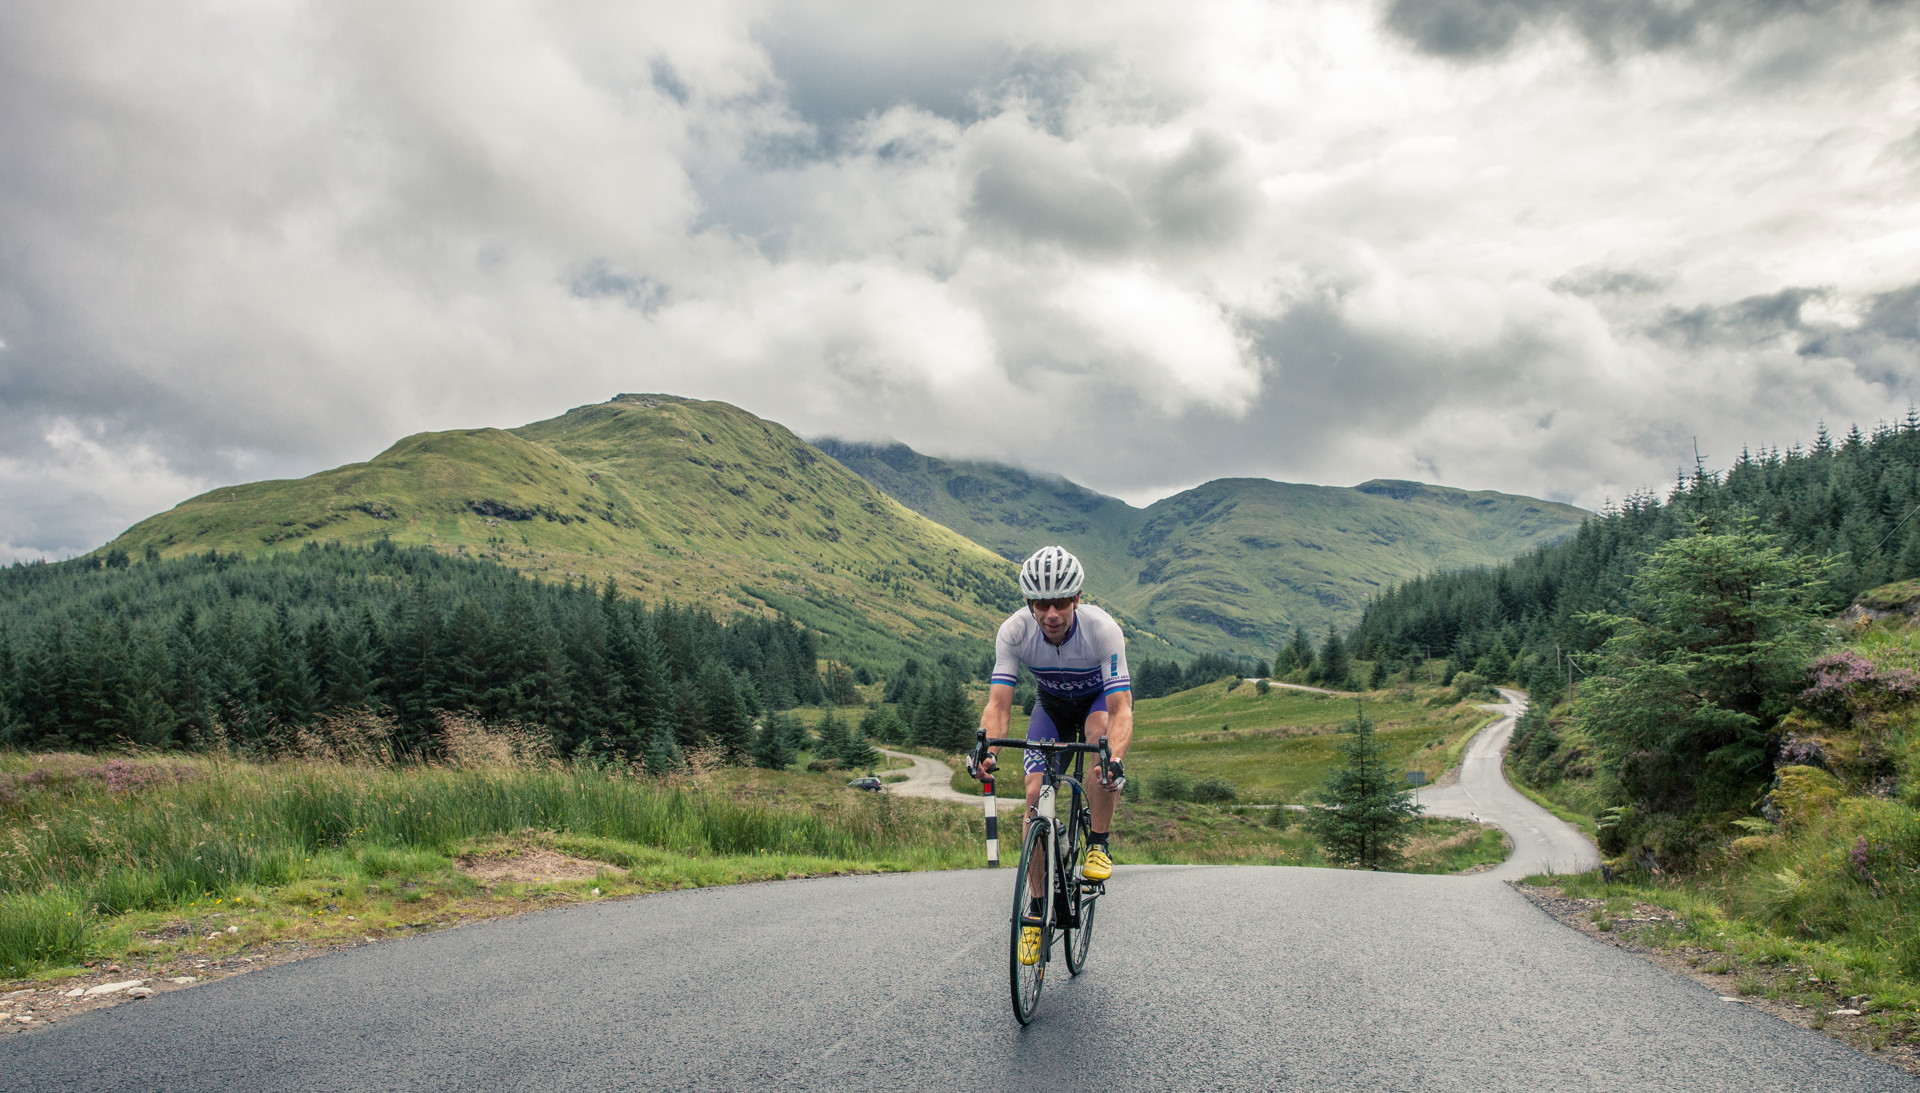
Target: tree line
1539,619
180,651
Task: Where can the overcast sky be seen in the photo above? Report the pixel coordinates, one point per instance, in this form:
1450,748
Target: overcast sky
1530,245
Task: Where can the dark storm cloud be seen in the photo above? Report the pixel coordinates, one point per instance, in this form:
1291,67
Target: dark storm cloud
1473,29
1329,381
1035,191
1034,188
1883,345
1746,322
1205,194
952,62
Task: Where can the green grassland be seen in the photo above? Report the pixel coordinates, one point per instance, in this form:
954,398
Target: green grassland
1279,747
133,856
699,502
170,860
1229,566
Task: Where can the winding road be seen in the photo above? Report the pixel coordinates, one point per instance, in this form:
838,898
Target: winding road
1542,842
1201,978
929,778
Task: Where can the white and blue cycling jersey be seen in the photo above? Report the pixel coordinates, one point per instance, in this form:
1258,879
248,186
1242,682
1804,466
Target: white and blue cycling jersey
1090,664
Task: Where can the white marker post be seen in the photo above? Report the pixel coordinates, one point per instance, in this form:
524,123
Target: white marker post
993,827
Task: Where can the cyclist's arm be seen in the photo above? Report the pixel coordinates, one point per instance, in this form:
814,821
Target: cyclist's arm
1119,722
998,715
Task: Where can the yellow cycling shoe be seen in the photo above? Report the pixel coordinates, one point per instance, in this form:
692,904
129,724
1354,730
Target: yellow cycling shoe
1029,944
1099,866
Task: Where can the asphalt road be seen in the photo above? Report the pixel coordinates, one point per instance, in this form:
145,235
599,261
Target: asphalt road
1200,978
1542,843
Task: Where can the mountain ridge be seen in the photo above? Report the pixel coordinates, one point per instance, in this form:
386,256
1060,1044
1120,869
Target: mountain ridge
1232,562
881,548
673,498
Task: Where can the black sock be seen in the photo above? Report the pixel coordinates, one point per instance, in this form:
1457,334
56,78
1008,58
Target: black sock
1099,839
1036,906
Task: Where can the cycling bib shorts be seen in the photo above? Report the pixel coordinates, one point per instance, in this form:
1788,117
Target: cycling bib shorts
1056,720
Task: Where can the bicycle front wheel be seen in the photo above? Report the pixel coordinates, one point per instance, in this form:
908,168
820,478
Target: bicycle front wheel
1036,853
1080,903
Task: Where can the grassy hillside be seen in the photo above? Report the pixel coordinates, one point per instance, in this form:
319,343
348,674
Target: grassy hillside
1232,565
1279,746
698,501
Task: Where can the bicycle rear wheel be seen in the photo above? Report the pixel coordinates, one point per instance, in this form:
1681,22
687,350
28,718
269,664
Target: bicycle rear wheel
1027,979
1080,904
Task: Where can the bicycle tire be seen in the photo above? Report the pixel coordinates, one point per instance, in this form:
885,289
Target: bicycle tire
1027,979
1079,937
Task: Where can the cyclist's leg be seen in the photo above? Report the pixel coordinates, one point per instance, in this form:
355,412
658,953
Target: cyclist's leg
1099,798
1039,727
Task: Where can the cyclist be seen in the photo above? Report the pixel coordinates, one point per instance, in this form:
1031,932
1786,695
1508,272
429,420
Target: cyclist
1079,659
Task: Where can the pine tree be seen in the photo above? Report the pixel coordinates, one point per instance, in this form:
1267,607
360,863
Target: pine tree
951,728
858,754
1366,811
833,738
729,726
884,726
1334,667
772,744
1298,653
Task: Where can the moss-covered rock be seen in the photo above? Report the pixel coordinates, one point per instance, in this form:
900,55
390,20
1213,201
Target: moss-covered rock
1804,795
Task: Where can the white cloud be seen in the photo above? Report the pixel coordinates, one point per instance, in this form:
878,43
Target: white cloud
1518,250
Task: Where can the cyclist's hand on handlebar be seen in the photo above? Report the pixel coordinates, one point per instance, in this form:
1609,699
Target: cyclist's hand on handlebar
981,765
1111,774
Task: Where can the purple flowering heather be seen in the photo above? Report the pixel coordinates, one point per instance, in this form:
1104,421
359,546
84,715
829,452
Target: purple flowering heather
1861,856
1844,681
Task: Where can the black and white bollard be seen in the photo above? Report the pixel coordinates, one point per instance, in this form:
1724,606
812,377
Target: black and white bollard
993,829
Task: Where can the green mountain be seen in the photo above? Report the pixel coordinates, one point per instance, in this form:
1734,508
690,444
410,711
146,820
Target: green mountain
1232,565
700,502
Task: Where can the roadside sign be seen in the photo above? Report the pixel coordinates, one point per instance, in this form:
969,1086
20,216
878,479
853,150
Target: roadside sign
1416,777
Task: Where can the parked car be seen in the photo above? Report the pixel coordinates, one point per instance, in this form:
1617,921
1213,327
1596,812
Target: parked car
869,783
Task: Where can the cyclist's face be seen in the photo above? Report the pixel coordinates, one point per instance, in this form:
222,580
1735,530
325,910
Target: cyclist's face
1055,616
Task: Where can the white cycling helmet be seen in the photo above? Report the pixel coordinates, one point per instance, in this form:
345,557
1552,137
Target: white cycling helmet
1051,574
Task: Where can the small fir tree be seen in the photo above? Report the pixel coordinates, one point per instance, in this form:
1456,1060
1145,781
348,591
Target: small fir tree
1298,654
1367,811
729,725
883,725
1380,675
858,754
1335,666
833,738
773,743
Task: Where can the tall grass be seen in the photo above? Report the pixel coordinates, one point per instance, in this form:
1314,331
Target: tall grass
79,849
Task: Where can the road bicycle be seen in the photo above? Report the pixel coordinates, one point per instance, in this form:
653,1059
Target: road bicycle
1053,852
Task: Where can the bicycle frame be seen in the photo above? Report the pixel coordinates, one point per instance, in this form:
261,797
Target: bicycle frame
1051,777
1066,897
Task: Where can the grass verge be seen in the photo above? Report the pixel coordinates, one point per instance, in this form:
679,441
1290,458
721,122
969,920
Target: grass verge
1850,991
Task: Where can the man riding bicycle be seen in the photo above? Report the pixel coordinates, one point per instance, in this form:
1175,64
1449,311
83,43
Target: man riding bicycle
1078,656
